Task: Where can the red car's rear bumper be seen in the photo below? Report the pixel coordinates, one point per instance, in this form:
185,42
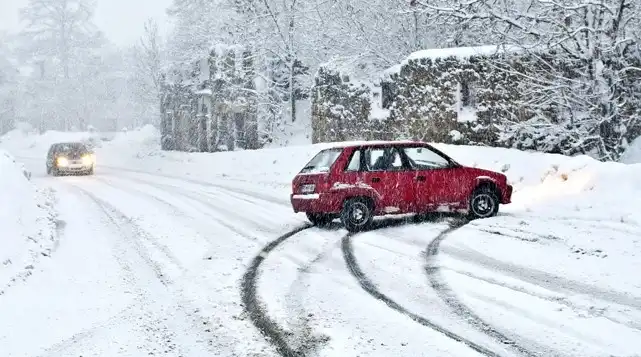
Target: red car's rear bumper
315,203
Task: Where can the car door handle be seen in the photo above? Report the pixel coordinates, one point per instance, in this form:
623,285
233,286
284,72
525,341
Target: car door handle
376,179
420,178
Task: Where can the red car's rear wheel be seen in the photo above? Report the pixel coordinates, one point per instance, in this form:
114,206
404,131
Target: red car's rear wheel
357,214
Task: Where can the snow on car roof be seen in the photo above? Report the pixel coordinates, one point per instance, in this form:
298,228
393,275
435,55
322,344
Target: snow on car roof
346,144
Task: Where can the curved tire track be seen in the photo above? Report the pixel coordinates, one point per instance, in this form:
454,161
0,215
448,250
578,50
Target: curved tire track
255,308
222,217
371,289
160,337
444,292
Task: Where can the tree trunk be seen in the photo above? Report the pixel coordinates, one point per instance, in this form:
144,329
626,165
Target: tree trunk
292,91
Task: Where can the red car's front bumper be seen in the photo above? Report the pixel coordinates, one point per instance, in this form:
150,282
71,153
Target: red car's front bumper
507,195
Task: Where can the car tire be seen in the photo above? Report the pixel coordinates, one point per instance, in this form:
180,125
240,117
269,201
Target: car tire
320,219
357,214
48,170
484,203
90,171
55,172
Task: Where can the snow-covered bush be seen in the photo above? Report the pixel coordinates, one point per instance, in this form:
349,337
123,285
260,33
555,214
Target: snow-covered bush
340,108
429,95
492,96
460,89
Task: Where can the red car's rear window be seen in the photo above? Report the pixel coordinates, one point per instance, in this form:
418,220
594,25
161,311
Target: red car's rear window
322,162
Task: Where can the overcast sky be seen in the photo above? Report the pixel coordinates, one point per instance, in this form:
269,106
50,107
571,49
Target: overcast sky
121,20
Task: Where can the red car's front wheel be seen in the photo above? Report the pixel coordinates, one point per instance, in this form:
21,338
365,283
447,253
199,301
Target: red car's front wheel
484,203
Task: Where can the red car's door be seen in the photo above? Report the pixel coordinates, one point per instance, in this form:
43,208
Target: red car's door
437,184
388,173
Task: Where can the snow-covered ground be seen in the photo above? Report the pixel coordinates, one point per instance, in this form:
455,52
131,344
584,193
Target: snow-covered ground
158,250
27,223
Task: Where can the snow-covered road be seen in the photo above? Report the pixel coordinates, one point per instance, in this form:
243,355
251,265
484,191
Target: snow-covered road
140,269
155,264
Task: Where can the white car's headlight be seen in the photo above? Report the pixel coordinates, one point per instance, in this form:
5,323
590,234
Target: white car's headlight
87,160
309,188
62,161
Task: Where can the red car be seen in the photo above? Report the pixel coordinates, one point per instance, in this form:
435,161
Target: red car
357,181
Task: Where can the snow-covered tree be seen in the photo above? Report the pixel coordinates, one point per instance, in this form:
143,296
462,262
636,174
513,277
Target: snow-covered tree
144,79
8,90
590,64
60,40
60,30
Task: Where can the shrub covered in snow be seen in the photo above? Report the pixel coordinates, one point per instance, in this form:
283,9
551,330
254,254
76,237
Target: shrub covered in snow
440,91
339,106
27,222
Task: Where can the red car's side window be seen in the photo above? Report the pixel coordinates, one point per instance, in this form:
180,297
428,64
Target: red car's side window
384,159
422,158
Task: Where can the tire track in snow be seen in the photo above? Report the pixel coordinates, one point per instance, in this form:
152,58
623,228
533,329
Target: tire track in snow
544,279
134,235
445,293
255,308
371,288
141,298
221,186
117,218
196,197
557,300
177,211
295,303
252,306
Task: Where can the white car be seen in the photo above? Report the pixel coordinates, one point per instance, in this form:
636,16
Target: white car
70,158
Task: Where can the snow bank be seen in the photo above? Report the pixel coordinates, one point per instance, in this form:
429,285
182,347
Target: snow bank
27,222
144,141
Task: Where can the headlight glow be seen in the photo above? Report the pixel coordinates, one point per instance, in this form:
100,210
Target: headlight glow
87,160
62,161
